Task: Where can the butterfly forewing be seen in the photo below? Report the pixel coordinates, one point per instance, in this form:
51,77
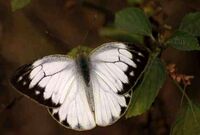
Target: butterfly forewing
118,65
46,80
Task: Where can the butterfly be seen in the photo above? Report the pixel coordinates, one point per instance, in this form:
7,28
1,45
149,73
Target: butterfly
87,90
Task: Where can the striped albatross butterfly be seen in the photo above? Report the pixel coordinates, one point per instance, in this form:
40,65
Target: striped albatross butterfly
85,91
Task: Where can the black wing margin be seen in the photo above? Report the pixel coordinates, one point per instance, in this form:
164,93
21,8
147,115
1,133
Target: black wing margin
20,80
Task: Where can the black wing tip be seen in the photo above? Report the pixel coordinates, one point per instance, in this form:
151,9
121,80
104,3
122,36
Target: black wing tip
139,48
19,71
24,71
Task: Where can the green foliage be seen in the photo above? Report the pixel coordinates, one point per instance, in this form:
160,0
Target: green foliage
183,41
185,38
145,94
121,35
191,24
18,4
134,21
188,122
130,25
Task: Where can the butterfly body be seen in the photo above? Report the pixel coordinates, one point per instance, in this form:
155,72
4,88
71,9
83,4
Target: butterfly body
88,90
83,65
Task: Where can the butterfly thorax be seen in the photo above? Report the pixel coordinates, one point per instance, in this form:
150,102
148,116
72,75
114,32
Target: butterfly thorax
83,66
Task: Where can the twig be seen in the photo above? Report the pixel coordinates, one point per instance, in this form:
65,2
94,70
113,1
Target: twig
188,100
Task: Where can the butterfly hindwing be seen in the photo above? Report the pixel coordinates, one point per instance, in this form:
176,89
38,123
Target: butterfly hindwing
109,106
45,79
75,112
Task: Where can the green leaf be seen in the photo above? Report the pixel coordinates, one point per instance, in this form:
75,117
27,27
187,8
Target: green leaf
145,94
183,41
121,35
18,4
134,21
188,122
191,24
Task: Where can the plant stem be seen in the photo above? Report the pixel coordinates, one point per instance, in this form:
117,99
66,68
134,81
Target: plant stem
182,98
188,99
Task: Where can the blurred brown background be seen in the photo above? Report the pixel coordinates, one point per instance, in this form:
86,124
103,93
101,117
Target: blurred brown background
55,26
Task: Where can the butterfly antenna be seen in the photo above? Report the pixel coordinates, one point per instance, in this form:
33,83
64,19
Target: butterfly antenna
79,49
90,28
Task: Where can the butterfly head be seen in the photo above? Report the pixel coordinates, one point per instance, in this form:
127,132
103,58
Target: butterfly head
79,51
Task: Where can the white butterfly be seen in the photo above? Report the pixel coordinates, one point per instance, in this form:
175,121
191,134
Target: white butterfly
88,90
